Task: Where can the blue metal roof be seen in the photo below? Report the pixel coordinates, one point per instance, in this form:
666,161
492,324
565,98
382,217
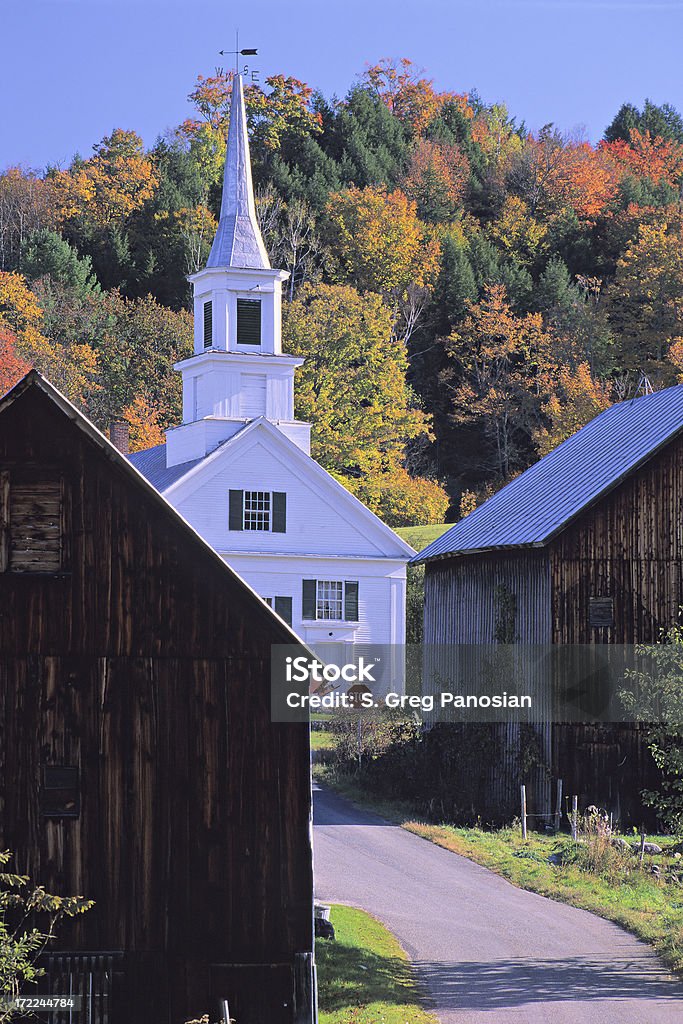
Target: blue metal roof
535,506
152,464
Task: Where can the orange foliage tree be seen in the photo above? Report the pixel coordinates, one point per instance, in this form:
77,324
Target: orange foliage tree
409,97
12,366
551,174
660,160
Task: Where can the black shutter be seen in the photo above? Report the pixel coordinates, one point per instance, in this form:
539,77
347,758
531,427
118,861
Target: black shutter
351,601
279,512
208,324
236,517
248,321
283,606
308,600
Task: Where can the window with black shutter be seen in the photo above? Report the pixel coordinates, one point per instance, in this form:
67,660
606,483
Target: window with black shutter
60,792
333,600
265,511
208,324
248,321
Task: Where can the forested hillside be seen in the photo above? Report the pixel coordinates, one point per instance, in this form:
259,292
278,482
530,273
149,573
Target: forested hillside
466,293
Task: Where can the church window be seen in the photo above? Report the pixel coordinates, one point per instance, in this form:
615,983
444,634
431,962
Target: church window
283,607
334,600
248,321
208,324
258,510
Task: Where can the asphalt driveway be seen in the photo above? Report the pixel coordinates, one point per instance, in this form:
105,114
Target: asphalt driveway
486,951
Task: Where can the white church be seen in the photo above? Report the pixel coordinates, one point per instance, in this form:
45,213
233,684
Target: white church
239,468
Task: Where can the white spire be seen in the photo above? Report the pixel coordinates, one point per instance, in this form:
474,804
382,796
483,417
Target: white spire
238,241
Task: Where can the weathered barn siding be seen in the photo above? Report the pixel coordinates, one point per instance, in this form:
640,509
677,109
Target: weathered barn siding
467,601
629,547
147,664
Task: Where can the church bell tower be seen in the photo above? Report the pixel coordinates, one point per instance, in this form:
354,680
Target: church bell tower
238,371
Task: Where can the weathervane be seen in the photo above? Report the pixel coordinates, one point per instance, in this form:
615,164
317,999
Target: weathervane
237,53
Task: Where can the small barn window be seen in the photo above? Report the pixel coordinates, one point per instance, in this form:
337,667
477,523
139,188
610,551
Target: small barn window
60,793
32,522
208,324
248,321
600,612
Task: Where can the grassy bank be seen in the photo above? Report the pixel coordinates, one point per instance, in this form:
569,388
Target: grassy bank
364,977
420,536
614,887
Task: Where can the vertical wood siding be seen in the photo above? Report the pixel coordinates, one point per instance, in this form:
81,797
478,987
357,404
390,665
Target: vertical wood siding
462,607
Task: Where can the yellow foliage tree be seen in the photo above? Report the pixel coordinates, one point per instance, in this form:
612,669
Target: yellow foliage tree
518,232
577,399
109,186
146,430
72,369
378,242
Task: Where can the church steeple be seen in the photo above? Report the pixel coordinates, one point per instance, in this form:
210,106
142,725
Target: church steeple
238,241
238,371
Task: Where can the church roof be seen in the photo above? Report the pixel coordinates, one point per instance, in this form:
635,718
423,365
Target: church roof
238,241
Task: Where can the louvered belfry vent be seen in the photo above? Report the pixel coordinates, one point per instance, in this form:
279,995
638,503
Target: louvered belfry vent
248,322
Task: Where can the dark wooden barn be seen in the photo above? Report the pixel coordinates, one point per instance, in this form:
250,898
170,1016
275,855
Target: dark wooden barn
584,548
139,765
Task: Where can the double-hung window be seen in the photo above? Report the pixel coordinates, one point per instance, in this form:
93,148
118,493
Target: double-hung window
330,600
265,511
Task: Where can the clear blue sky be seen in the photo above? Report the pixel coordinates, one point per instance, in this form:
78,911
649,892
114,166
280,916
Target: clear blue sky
72,70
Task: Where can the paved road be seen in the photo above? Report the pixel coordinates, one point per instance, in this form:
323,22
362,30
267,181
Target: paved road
487,952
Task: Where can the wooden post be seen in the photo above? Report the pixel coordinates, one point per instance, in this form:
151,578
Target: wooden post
523,795
642,846
575,818
558,806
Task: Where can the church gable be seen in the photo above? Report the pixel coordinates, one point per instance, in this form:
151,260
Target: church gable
263,480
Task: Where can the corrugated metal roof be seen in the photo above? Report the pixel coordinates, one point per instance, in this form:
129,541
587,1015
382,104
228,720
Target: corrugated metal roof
152,464
543,500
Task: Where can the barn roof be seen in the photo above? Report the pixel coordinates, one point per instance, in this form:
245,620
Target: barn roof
34,379
533,508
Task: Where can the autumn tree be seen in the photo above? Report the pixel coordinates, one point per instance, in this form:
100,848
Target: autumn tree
143,419
377,241
497,379
353,388
645,302
436,180
410,98
654,157
71,368
577,397
26,204
12,366
107,188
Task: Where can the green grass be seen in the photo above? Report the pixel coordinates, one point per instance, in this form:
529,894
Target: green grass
420,536
364,977
321,739
649,908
